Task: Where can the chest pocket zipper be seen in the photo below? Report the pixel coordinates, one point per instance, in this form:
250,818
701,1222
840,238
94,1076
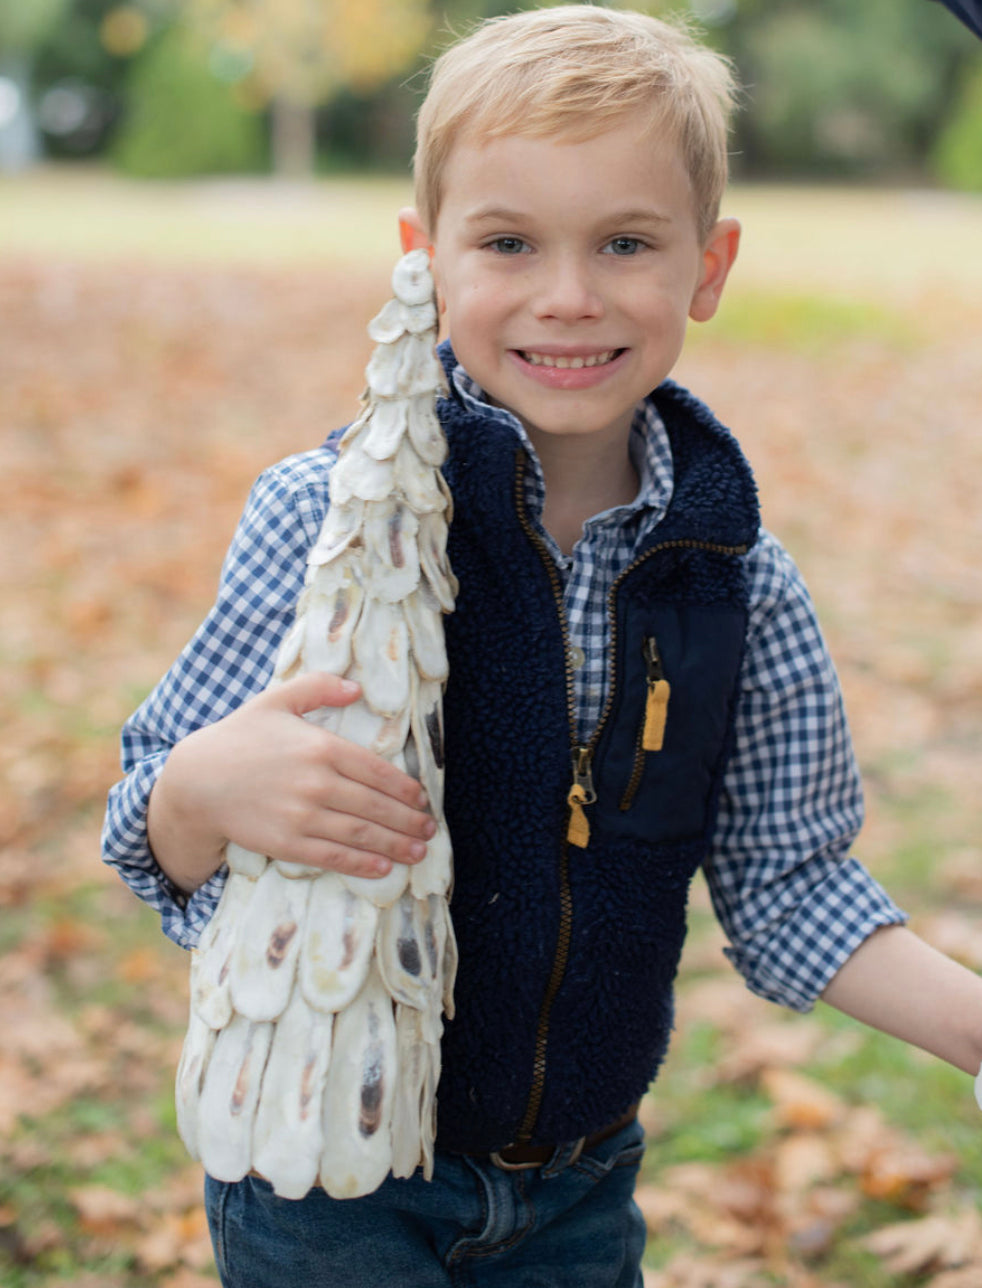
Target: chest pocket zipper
651,732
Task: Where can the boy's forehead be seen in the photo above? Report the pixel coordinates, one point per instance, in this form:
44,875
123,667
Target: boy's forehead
570,128
467,158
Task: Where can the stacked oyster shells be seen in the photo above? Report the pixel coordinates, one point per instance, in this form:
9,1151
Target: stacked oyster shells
313,1048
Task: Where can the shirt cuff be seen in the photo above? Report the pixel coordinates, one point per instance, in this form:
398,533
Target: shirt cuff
794,960
184,919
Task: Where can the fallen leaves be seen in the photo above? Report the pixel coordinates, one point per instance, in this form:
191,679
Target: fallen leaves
935,1243
104,1211
162,1230
779,1210
176,1238
136,406
800,1103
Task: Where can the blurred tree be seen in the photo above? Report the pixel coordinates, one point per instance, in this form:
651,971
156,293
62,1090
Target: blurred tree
294,54
181,120
833,87
23,26
81,71
958,154
838,87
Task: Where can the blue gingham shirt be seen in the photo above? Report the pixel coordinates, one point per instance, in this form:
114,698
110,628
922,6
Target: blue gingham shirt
792,901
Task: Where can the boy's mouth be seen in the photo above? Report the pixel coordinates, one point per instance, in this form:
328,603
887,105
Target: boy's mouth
569,362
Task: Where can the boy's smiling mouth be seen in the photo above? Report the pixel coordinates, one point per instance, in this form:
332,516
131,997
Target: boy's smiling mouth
566,362
571,370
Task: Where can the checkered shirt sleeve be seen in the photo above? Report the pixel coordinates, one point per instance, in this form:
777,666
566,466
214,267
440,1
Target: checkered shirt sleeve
791,899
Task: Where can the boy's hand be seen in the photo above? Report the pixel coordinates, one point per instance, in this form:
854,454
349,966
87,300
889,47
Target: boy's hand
278,785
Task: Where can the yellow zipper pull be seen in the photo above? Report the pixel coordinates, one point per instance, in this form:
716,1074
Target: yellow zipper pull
656,705
580,794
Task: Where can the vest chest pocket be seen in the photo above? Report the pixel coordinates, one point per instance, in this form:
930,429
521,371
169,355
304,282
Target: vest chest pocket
651,726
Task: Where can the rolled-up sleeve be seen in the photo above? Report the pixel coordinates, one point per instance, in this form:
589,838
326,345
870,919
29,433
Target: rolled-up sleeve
229,659
790,897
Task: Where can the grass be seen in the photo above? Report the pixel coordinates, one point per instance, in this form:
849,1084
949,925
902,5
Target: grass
223,221
813,323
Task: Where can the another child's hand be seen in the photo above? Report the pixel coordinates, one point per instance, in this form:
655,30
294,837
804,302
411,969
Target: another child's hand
278,785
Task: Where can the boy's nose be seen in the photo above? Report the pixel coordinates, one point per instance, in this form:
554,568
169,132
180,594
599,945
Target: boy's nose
566,291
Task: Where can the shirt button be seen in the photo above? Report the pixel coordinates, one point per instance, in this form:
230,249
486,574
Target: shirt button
577,657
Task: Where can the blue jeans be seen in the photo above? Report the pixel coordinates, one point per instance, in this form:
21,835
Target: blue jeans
474,1225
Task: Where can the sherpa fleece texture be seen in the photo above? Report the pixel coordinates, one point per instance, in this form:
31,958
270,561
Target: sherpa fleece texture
508,744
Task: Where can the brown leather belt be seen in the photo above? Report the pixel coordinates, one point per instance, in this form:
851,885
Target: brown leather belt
516,1158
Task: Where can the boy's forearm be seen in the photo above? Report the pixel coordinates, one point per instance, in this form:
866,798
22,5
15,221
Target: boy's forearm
898,983
186,850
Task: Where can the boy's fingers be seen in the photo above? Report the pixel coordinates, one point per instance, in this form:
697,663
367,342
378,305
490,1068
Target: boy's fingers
369,841
373,820
308,692
335,857
375,772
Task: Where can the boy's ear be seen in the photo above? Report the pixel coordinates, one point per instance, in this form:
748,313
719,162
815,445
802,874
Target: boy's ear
718,255
412,234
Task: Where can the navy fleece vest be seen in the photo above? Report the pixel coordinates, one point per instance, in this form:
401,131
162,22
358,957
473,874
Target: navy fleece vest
568,955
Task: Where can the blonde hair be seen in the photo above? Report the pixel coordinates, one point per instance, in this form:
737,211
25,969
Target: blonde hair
577,70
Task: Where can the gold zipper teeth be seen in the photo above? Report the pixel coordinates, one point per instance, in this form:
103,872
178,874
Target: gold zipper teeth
627,800
552,988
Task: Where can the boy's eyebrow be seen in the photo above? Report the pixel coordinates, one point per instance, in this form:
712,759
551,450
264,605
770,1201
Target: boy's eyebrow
498,213
642,215
502,214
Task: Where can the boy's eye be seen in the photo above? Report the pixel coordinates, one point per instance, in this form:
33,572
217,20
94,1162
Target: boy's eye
509,245
623,246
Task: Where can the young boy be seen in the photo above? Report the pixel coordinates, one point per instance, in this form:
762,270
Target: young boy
637,687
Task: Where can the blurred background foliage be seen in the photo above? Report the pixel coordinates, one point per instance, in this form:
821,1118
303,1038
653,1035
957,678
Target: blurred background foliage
884,89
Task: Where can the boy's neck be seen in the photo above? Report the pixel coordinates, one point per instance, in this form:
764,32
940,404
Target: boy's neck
583,476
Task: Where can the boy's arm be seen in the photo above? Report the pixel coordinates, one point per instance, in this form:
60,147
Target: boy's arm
184,734
896,982
791,899
804,918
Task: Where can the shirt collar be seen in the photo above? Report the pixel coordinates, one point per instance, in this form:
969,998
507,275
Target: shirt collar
651,452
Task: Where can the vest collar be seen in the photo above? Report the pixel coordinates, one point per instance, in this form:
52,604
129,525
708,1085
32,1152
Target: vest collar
714,498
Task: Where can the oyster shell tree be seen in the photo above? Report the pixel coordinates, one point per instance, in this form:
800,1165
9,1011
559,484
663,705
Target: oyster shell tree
317,999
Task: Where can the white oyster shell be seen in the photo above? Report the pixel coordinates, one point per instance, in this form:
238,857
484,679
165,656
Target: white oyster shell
317,998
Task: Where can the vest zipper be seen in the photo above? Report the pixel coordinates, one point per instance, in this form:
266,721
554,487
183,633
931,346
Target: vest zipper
582,790
582,779
651,729
581,793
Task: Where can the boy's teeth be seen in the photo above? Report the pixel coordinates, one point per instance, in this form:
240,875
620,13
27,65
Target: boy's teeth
547,360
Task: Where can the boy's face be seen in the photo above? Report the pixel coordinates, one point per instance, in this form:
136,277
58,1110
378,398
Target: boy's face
567,271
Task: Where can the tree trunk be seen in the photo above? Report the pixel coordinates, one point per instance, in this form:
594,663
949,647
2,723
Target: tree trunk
20,144
293,138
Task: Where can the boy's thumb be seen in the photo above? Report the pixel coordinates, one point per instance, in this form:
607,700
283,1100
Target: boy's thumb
316,689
